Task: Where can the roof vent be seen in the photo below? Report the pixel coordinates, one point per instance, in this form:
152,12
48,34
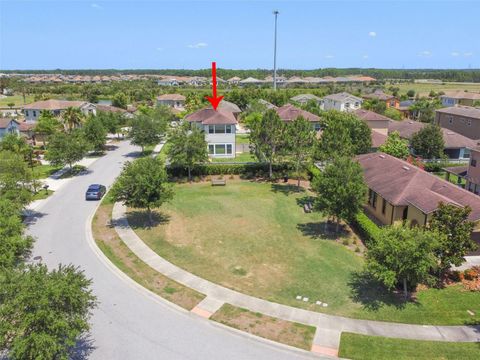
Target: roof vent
405,168
382,156
450,133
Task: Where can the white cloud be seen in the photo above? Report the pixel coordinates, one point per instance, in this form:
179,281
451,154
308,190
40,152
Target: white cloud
365,56
329,56
159,49
455,53
197,45
95,6
372,34
468,54
425,53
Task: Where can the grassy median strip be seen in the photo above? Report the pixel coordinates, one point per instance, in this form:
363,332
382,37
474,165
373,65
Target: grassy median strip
111,245
359,347
286,332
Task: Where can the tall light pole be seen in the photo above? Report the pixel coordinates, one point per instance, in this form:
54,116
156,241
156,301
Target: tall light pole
275,12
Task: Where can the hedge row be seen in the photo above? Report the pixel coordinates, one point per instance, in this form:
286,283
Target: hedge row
365,227
248,169
438,166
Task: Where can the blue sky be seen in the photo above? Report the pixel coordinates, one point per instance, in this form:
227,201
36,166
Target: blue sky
238,34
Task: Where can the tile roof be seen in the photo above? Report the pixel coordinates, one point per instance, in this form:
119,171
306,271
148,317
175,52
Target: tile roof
53,104
342,97
370,115
229,106
468,111
380,95
110,108
289,112
4,122
212,117
401,184
378,139
452,139
174,97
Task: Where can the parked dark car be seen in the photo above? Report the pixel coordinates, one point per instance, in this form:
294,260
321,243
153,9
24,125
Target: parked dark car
95,192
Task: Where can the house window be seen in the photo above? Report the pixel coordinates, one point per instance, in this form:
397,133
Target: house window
211,149
357,104
372,198
450,119
469,122
211,129
220,149
228,129
473,163
405,213
384,206
34,113
26,112
347,105
229,149
316,126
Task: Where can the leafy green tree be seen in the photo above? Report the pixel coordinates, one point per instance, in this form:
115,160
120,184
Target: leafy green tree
187,147
395,146
393,114
47,124
402,254
145,131
340,189
15,178
344,134
95,133
452,222
424,109
428,142
44,313
72,118
66,149
267,138
14,245
111,121
14,143
375,105
120,100
11,105
411,93
143,184
300,140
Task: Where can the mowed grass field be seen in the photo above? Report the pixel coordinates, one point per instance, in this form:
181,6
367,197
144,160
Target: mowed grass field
424,89
362,347
255,238
16,99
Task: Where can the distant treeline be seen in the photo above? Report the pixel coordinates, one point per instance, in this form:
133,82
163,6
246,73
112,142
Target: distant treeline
457,75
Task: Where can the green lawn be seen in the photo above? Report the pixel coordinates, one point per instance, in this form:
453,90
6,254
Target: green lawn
362,347
16,99
424,89
242,139
241,157
255,238
453,178
44,171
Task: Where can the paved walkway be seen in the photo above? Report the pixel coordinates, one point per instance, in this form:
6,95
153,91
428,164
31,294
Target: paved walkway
329,327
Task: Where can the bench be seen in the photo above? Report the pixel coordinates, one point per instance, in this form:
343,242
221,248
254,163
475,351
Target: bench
219,182
308,207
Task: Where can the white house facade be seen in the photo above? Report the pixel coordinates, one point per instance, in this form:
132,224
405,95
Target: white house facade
219,127
8,126
342,102
56,107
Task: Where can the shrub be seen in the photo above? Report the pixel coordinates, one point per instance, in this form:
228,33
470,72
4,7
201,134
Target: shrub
346,242
365,227
357,249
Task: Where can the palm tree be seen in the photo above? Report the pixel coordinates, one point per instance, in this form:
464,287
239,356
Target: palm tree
72,118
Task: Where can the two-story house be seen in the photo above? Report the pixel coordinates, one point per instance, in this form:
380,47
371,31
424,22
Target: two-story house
464,120
342,102
389,100
289,113
305,98
175,101
56,107
473,171
219,127
453,98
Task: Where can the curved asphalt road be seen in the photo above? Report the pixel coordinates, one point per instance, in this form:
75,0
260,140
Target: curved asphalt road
128,323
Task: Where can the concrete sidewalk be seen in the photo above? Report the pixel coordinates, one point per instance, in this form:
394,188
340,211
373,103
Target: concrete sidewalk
329,325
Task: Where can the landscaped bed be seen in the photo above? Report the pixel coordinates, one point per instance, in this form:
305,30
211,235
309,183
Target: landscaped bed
254,237
362,347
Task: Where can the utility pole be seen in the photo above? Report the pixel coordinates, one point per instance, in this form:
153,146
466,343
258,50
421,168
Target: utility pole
275,12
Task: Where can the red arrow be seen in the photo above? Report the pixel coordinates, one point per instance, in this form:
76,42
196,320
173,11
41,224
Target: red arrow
214,100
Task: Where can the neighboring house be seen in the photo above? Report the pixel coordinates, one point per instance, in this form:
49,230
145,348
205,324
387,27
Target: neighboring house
8,126
289,113
400,191
473,171
453,98
168,82
374,121
378,139
404,108
114,109
389,100
267,104
219,127
342,102
305,98
456,145
175,101
464,120
229,107
56,107
234,80
251,81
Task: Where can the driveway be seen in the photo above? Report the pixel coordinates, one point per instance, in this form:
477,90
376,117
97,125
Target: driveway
128,323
